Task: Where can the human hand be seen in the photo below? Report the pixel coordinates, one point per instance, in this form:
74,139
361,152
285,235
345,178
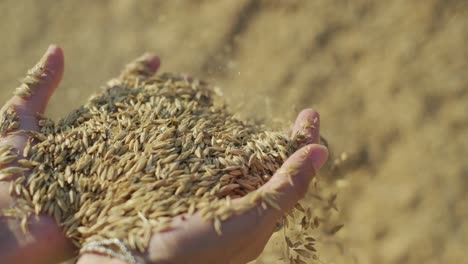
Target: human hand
46,243
244,236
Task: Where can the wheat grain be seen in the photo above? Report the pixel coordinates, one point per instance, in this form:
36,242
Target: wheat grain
142,152
9,121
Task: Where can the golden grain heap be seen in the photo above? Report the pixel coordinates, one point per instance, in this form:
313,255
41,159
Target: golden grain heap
140,153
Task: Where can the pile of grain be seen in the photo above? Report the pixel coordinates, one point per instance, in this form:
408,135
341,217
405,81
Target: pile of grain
138,154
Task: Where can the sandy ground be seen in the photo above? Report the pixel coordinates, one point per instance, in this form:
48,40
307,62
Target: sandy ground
390,79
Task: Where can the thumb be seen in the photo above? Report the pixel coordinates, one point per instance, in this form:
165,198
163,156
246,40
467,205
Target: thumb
31,97
291,181
33,94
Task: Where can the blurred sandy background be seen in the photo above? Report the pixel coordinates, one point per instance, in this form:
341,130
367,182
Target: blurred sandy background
390,79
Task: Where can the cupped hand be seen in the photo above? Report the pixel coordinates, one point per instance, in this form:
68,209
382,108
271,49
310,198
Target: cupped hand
46,243
194,240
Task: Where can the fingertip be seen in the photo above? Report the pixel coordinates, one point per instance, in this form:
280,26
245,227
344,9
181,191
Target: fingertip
308,159
53,46
54,58
144,66
318,156
293,178
53,67
152,61
309,112
42,80
54,49
308,124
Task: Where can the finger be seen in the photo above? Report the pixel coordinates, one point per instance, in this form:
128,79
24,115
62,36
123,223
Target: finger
142,67
32,96
307,125
291,181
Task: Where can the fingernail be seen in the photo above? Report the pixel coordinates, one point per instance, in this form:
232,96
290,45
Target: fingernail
318,156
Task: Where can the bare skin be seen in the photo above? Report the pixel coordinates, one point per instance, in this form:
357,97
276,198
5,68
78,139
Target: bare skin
192,239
